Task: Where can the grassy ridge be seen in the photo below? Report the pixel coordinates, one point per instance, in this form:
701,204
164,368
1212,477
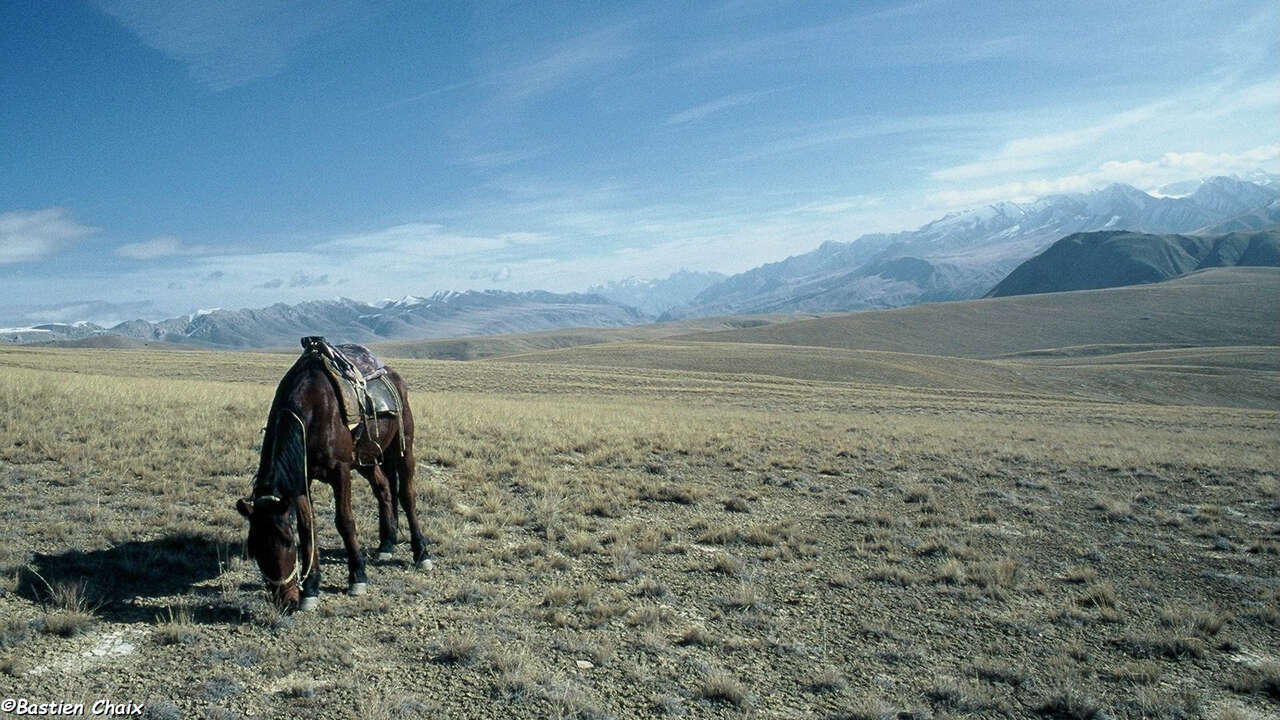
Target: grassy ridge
1212,338
1233,377
800,362
1223,307
488,346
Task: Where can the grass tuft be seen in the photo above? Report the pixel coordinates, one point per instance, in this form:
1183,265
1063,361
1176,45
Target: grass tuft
174,628
722,686
1070,704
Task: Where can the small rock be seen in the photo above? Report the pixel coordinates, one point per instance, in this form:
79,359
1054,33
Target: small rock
583,665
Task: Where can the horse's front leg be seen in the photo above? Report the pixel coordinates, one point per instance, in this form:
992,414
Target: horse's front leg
357,583
308,555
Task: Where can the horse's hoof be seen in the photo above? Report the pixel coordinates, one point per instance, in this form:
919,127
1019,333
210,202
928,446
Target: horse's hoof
357,588
425,564
384,556
308,604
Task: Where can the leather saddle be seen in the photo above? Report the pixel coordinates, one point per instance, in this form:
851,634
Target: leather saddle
364,392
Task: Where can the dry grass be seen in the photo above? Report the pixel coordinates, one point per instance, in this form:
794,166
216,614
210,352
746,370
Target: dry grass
1080,574
621,543
722,686
174,627
1262,680
68,611
1069,704
457,647
828,680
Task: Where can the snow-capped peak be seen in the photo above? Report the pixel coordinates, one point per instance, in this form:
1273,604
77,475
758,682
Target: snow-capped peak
201,312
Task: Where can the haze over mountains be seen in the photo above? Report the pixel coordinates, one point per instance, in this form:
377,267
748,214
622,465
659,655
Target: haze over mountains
441,315
960,256
964,255
655,297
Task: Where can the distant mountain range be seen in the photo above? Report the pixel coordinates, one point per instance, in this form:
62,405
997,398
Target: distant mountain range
280,325
964,255
1091,261
655,297
959,256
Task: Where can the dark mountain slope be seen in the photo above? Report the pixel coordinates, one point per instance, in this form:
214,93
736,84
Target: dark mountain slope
1090,261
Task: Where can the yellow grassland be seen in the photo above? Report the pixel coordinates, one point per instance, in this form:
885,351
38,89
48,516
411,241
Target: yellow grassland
712,528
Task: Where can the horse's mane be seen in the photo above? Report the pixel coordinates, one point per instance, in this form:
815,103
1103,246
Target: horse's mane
282,465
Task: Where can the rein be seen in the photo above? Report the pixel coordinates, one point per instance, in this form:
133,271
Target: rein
306,480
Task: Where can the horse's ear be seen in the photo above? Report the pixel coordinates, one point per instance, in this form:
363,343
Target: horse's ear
245,506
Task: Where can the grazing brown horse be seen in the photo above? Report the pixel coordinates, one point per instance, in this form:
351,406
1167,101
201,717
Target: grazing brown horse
308,439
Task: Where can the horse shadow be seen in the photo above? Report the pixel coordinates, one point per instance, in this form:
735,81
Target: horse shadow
113,580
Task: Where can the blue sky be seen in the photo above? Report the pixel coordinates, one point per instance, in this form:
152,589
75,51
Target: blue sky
162,156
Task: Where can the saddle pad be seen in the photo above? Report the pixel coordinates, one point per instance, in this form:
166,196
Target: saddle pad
366,362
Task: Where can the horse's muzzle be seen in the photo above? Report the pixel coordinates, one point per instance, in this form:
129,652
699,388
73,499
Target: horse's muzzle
286,597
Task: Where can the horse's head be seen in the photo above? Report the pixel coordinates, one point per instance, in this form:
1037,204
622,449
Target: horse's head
273,545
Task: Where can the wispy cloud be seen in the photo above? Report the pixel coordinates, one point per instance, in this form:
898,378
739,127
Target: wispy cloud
411,257
27,235
882,34
500,275
159,247
231,42
1222,107
698,112
502,158
1038,151
418,97
829,206
1168,168
302,279
570,60
414,242
95,311
800,137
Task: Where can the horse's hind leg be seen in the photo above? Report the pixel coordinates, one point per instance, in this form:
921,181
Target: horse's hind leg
387,515
393,483
340,480
404,467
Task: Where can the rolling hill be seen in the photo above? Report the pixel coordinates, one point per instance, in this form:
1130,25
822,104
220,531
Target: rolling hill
1218,307
478,347
1208,338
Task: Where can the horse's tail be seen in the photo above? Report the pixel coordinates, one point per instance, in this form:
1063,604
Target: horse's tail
286,468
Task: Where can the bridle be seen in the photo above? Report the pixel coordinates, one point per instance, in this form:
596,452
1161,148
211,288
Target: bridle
293,576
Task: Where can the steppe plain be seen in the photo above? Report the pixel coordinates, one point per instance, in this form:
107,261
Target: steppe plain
1051,506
